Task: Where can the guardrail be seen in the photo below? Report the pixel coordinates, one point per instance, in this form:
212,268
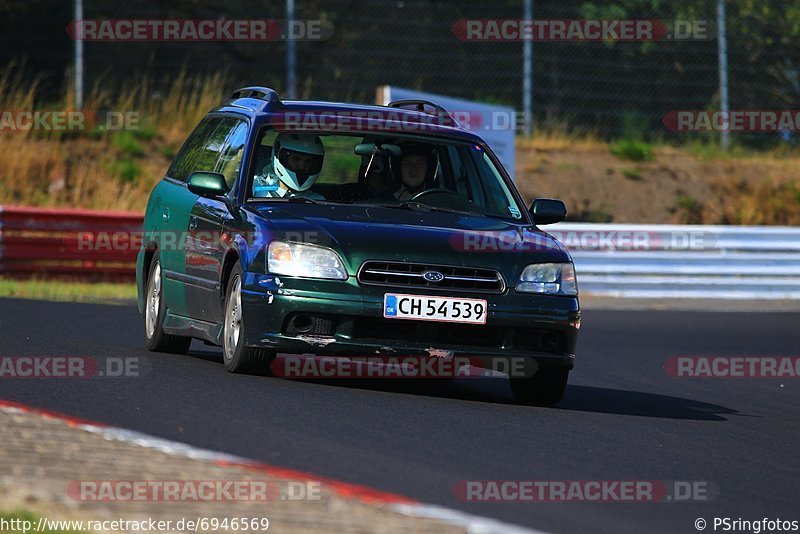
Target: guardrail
619,260
676,261
67,242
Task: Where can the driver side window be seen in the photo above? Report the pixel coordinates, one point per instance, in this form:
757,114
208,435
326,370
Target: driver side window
230,162
190,154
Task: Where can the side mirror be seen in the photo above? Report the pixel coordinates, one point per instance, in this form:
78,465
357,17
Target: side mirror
548,211
207,184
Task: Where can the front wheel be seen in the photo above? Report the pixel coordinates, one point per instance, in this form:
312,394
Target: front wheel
237,357
545,388
154,311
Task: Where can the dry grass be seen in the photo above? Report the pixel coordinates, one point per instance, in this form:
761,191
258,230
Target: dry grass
111,170
558,139
765,201
677,186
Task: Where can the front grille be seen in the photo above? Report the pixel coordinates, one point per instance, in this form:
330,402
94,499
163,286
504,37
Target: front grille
402,274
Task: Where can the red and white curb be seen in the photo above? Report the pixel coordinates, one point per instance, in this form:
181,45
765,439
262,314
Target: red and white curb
391,501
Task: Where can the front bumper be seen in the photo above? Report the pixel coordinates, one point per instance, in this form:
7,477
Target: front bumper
516,326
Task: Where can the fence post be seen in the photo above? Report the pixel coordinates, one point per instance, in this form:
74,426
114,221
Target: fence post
291,53
722,47
527,73
78,55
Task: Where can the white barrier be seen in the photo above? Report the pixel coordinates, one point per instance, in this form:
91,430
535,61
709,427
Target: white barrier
676,261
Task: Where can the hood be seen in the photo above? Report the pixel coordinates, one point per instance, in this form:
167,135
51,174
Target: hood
361,233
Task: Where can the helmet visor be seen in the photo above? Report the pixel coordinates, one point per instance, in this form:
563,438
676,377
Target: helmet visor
301,163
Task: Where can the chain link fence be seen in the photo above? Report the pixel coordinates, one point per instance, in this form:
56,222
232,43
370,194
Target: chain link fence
611,88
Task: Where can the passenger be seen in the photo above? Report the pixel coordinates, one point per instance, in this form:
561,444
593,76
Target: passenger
415,170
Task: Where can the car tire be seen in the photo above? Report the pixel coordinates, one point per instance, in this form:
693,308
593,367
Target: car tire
155,309
545,388
237,357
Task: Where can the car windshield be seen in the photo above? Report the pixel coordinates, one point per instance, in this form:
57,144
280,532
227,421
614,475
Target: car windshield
406,172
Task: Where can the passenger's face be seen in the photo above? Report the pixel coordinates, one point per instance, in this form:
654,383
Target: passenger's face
413,167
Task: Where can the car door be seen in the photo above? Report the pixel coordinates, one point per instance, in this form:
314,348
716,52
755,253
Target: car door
204,259
172,207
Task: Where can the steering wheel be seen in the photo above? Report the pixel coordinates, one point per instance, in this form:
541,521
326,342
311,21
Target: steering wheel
444,198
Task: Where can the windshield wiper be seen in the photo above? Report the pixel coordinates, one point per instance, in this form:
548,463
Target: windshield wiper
304,200
418,206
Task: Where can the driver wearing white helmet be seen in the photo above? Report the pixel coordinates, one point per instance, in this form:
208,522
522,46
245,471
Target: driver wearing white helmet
294,167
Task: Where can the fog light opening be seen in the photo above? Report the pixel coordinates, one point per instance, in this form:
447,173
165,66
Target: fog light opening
549,340
302,323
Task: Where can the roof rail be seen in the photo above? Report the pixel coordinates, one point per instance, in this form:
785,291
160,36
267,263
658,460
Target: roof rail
419,105
257,92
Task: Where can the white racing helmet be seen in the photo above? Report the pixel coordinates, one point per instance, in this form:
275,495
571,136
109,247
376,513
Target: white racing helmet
297,159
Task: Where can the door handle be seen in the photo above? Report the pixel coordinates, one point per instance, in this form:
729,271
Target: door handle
165,214
193,223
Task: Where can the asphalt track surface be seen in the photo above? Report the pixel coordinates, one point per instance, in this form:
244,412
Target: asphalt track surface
623,417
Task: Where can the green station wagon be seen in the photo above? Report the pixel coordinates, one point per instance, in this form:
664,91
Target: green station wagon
338,230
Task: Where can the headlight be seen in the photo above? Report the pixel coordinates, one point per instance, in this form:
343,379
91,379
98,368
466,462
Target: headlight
548,279
310,261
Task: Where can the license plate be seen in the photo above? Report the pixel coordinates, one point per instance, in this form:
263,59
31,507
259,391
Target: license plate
424,308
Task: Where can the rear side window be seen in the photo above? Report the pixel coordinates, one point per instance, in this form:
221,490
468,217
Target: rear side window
190,154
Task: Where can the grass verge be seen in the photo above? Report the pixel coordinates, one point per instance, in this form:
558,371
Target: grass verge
68,291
